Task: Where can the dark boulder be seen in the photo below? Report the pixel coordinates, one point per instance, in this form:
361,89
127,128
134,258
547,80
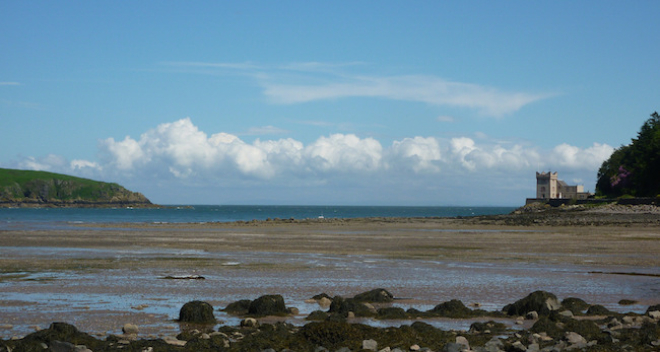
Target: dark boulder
57,335
597,309
379,295
317,315
576,305
239,307
540,301
416,313
548,326
653,308
342,306
392,313
268,305
197,312
492,326
452,309
321,295
587,329
627,302
332,334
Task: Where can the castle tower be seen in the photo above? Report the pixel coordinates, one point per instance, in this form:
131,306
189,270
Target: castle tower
546,185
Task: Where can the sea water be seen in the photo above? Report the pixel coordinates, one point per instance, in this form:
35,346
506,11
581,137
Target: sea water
12,217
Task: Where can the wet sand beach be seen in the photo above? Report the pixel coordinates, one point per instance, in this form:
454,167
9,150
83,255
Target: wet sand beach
101,276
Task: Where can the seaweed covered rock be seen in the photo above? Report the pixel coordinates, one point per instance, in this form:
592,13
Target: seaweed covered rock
548,326
239,307
392,313
321,296
268,305
416,313
575,305
586,328
317,315
654,308
197,312
452,309
490,326
343,306
597,309
57,335
379,295
332,334
540,301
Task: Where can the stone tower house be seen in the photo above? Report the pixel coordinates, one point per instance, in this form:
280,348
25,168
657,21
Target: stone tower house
548,186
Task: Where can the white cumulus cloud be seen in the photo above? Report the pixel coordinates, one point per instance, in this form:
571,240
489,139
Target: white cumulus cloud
344,153
179,153
565,155
419,154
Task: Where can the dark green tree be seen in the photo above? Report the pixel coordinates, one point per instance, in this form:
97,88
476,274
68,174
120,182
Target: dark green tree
634,169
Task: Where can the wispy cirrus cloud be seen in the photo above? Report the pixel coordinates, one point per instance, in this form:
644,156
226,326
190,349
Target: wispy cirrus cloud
416,88
10,84
219,65
304,82
264,130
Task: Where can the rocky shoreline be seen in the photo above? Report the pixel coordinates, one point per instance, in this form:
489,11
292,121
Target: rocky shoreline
569,324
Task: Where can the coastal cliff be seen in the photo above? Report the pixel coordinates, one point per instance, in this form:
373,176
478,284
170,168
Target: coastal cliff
23,188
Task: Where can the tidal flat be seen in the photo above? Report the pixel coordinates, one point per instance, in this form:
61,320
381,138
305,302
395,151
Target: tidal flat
99,277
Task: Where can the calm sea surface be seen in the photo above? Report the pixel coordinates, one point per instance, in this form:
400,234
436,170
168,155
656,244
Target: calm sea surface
227,213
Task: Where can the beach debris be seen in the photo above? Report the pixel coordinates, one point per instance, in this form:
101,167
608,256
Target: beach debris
197,312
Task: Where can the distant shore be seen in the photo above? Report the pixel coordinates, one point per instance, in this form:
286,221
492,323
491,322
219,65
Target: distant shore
76,204
612,234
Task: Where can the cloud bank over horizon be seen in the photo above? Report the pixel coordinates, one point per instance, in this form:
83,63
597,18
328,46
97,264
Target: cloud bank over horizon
181,155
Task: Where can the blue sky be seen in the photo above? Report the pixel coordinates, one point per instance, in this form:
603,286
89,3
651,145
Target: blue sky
370,102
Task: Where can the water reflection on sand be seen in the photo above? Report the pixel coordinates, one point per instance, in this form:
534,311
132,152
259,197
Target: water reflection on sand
101,300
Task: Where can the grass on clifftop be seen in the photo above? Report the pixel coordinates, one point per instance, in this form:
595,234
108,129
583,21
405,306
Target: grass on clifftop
26,185
10,176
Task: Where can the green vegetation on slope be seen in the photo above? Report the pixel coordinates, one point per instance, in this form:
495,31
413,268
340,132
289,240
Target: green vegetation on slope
634,169
39,188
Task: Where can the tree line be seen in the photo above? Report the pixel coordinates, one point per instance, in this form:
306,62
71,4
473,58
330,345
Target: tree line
634,169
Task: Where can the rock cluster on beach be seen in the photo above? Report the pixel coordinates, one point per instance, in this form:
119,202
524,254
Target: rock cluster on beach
570,324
